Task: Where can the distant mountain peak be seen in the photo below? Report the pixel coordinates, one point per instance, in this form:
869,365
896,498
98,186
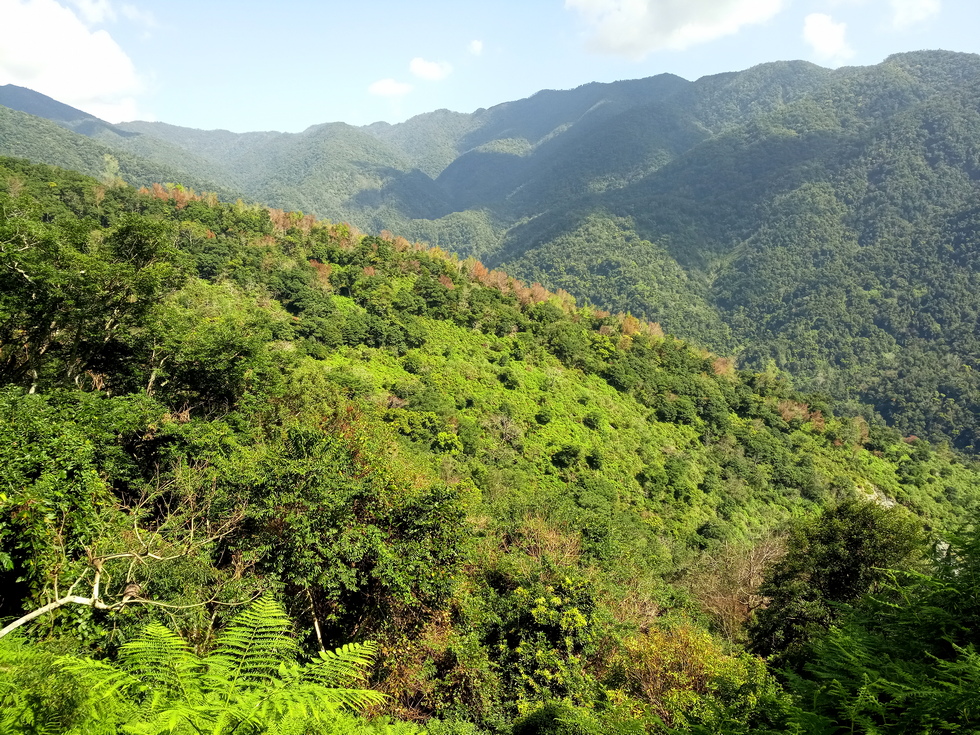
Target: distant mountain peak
35,103
40,105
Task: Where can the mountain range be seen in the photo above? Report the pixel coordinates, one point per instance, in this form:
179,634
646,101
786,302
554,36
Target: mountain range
235,436
818,222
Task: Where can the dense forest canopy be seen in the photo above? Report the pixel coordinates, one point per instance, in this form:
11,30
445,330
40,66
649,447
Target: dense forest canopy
435,498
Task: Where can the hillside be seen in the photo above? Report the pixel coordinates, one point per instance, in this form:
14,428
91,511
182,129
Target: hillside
517,498
817,222
39,139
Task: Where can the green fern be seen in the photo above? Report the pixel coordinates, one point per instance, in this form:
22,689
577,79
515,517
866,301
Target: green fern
251,649
19,711
162,660
109,694
250,684
38,695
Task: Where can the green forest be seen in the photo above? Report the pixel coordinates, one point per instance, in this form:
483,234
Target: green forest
263,473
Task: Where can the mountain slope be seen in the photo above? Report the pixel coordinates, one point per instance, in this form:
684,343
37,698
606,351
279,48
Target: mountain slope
34,103
820,233
519,500
37,139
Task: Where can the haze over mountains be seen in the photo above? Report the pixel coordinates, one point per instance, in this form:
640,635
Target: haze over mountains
821,222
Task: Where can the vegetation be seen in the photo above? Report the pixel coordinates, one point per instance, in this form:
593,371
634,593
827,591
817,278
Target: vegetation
905,659
519,505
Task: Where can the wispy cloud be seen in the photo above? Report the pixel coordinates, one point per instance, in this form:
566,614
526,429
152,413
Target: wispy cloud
827,38
390,88
430,70
100,12
94,12
909,13
47,47
634,28
475,47
138,15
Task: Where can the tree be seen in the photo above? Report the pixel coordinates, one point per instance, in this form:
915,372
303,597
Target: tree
832,560
329,520
904,660
67,298
81,527
149,548
727,579
110,171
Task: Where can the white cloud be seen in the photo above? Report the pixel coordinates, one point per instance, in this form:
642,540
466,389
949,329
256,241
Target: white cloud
908,13
634,28
475,47
826,38
94,12
389,88
98,12
46,47
431,70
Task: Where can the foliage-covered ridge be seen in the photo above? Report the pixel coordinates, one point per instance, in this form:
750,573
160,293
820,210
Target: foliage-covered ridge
540,513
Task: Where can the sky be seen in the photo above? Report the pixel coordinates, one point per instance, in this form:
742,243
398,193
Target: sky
247,65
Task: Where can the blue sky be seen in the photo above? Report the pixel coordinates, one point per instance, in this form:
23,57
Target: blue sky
291,64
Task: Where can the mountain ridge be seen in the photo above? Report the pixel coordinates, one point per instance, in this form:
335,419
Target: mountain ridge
689,178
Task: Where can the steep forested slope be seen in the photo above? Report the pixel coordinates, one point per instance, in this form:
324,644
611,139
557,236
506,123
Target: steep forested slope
518,499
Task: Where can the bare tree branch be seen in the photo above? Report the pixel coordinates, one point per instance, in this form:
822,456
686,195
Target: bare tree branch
149,552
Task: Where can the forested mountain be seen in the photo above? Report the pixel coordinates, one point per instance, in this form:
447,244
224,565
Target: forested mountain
820,222
38,139
524,516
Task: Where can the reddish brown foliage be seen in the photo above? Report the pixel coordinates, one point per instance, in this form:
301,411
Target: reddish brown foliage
478,271
723,366
653,329
323,271
629,325
180,195
539,293
280,219
790,410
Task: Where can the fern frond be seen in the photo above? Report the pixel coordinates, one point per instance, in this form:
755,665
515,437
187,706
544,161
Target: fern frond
177,717
342,666
352,699
307,701
13,655
250,685
161,659
18,713
111,693
251,649
43,693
